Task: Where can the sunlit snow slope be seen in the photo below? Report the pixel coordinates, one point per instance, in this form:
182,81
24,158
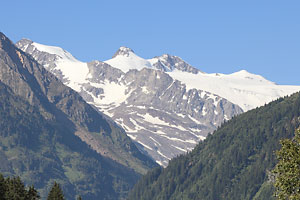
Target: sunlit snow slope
166,105
242,88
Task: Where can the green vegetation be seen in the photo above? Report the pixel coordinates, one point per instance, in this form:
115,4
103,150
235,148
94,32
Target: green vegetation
287,170
14,189
232,163
55,193
41,151
42,122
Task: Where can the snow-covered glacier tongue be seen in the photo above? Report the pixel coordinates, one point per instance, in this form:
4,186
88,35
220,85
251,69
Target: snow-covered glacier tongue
164,104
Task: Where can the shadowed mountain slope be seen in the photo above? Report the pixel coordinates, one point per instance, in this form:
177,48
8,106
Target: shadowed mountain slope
50,133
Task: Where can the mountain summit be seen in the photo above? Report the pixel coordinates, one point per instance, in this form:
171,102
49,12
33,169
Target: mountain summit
164,104
126,59
123,51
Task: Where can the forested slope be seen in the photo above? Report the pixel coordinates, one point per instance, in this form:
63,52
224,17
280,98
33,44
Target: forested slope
232,163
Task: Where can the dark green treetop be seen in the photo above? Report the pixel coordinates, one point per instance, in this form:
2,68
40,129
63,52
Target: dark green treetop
287,170
14,189
55,193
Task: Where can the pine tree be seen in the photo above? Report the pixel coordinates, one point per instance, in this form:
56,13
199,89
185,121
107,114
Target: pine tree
2,187
32,194
79,198
287,170
55,193
15,189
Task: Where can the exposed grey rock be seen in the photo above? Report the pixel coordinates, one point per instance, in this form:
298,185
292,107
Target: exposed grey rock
32,81
168,119
169,63
123,51
156,111
100,71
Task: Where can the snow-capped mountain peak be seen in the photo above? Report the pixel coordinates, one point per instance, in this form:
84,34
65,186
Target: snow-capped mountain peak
61,53
57,51
123,51
163,103
169,63
58,61
125,59
243,74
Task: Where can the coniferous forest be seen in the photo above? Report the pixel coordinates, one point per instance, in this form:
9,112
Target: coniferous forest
235,162
15,189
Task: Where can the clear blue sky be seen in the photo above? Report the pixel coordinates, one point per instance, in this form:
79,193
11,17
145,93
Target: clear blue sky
261,36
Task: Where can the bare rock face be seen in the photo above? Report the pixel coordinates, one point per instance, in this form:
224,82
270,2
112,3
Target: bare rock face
124,51
169,63
159,113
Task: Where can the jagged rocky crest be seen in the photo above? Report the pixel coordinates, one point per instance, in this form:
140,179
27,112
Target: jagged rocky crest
159,113
123,51
167,63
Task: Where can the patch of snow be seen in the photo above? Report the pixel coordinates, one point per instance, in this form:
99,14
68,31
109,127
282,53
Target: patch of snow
136,126
154,120
180,115
179,127
140,107
154,140
133,137
113,93
181,149
75,72
159,132
144,145
159,162
145,90
196,132
180,140
25,47
163,155
195,120
226,117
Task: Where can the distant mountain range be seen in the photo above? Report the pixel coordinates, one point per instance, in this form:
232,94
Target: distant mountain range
49,133
164,104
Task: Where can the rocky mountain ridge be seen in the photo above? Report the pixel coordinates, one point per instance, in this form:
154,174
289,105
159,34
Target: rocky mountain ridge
152,99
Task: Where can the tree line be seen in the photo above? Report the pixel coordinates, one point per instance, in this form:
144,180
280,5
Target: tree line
14,189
